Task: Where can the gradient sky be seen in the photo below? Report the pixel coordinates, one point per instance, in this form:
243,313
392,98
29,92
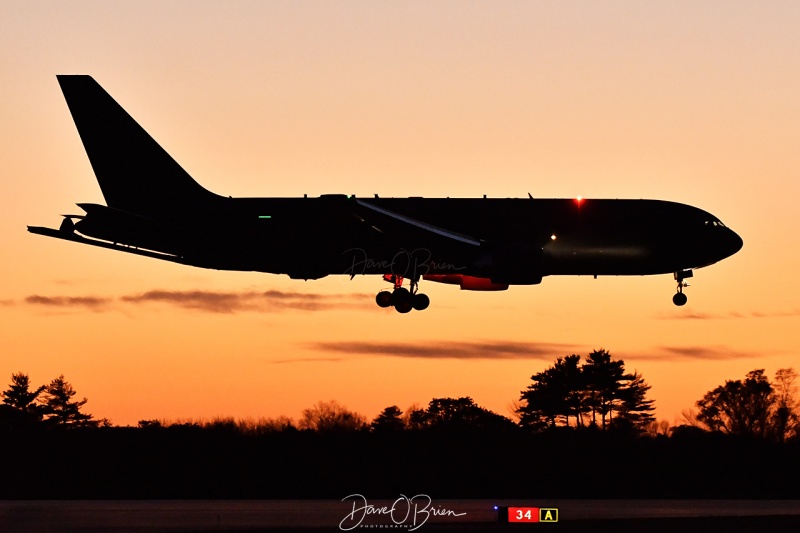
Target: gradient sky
694,102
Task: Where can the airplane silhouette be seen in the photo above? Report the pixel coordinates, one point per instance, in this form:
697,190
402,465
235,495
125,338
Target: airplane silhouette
155,209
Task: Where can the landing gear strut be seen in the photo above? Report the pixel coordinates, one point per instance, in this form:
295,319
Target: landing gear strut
403,300
680,299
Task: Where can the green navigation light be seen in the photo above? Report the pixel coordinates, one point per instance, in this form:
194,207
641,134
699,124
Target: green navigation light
264,216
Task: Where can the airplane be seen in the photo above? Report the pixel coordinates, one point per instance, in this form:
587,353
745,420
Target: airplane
154,208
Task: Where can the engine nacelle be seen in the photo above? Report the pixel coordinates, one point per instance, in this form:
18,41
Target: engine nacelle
467,283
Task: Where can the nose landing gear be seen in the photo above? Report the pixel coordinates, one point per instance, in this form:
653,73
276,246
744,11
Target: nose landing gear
679,298
403,300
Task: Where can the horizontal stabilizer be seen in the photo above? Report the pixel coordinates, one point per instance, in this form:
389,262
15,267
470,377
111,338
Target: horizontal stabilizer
69,236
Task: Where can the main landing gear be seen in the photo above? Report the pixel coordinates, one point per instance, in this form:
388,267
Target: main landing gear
680,299
402,299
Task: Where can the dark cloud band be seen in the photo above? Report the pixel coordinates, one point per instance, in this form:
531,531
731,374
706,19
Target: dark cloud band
92,302
449,350
726,316
215,301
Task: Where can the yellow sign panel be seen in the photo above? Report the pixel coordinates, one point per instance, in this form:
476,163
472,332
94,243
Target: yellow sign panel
548,515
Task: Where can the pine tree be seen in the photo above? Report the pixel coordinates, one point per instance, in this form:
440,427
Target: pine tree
603,377
19,396
599,386
633,408
390,419
19,402
58,407
463,414
546,398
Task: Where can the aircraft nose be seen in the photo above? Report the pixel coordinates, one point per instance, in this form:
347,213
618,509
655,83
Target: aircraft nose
733,243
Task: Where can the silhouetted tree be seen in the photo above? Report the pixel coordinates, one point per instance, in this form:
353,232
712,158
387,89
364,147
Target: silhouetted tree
19,407
689,418
633,408
19,396
267,425
460,414
575,386
544,400
390,419
599,386
738,407
558,391
222,425
603,377
514,409
58,407
785,416
416,418
658,428
331,416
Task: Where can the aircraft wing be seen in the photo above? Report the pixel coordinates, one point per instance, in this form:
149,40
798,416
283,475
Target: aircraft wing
384,220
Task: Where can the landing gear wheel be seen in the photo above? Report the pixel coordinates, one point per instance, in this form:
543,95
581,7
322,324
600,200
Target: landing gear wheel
421,301
402,300
680,276
403,307
384,299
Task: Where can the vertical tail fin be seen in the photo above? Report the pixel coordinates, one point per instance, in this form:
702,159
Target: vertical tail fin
134,172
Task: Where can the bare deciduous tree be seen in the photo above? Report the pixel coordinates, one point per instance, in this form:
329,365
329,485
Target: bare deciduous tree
331,416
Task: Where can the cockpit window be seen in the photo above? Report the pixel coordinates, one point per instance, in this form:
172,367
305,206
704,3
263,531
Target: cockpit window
715,223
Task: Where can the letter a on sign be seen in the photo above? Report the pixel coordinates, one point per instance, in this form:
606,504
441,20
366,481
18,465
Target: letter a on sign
548,515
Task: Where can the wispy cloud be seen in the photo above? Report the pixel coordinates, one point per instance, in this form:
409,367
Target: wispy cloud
449,349
726,316
214,301
543,351
698,353
94,303
756,314
233,302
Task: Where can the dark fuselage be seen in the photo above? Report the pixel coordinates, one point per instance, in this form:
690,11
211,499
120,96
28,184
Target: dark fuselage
520,240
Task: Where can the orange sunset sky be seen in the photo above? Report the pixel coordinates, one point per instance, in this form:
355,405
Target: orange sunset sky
694,102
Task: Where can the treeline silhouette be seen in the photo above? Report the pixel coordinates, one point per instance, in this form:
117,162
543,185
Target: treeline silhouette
49,406
582,430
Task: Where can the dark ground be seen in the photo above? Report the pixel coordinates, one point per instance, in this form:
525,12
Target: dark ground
196,463
196,479
318,515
